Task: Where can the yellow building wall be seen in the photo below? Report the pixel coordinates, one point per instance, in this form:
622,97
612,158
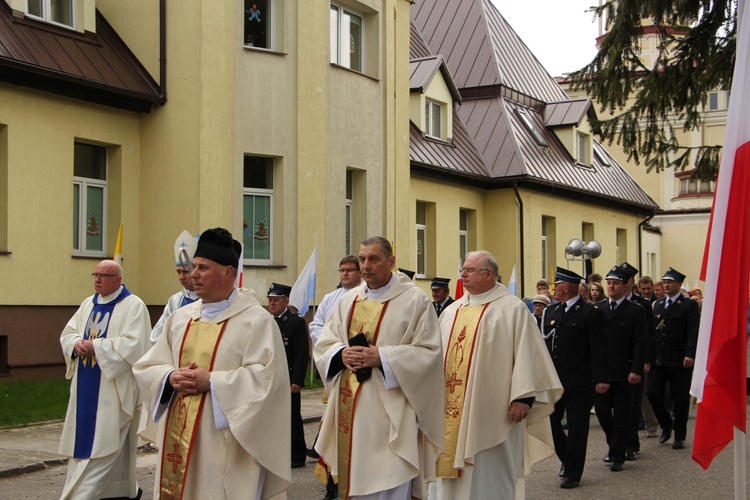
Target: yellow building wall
41,131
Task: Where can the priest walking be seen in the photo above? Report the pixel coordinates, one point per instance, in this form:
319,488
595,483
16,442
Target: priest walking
500,386
108,333
381,355
218,382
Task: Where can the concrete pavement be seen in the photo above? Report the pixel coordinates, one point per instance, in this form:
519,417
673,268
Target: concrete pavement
659,472
34,447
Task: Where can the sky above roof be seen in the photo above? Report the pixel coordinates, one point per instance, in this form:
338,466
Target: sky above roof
560,33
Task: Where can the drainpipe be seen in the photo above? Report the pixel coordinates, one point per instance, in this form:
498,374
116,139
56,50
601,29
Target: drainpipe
163,51
522,274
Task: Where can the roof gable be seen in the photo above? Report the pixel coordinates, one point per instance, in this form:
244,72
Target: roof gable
96,67
422,71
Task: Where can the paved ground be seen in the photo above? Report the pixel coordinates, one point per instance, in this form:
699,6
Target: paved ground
31,469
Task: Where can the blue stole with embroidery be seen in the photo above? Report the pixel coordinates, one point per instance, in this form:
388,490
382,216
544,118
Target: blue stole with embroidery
186,300
90,376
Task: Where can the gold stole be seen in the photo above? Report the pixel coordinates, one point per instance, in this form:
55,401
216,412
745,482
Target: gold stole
365,318
199,346
459,354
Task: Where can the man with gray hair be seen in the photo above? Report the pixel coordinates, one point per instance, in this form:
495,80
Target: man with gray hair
108,333
500,385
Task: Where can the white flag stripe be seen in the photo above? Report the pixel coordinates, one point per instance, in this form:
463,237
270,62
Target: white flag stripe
303,290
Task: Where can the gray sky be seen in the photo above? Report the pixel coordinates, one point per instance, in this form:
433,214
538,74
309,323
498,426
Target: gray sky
560,33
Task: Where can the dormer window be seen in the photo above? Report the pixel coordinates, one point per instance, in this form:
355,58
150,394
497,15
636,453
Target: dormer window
531,128
52,11
433,119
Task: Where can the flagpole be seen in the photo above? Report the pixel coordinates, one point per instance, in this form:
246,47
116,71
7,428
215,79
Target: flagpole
740,482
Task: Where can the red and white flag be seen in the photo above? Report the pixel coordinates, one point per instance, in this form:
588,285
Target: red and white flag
720,364
459,283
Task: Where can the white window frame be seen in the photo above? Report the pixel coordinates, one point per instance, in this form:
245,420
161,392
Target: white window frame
83,184
430,108
338,55
713,101
268,193
463,234
421,230
46,16
270,35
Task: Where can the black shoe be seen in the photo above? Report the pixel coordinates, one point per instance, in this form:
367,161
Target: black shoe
678,444
568,483
666,434
615,467
297,465
629,455
312,453
331,495
607,459
562,471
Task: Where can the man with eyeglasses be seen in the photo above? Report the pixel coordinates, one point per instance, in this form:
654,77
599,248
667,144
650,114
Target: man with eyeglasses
349,278
100,343
500,386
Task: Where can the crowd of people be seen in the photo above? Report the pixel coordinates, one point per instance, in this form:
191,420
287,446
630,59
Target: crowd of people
426,397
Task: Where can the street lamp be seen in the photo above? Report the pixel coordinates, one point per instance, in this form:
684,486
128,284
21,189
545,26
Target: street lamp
577,250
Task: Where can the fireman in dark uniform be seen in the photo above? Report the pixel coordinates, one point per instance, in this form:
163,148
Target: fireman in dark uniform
296,344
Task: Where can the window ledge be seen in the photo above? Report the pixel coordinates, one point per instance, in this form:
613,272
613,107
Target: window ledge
264,266
694,195
263,50
92,257
5,253
350,70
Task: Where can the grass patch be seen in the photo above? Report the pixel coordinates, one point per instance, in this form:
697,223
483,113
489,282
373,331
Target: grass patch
313,382
24,403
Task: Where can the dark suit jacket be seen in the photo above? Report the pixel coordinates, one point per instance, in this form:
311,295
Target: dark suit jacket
648,307
676,331
296,344
627,334
578,345
447,303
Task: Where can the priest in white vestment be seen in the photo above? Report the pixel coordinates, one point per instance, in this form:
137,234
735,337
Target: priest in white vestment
500,388
218,384
381,356
102,340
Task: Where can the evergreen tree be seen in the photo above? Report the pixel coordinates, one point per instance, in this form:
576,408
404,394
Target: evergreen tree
696,53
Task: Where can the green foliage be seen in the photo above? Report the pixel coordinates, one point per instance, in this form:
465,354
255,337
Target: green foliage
313,382
24,403
696,53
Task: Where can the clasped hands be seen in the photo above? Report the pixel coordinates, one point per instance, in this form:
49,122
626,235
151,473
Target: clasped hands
190,380
84,348
359,357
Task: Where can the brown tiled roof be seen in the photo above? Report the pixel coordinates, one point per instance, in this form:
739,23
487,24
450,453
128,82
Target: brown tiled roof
96,67
497,76
480,48
459,156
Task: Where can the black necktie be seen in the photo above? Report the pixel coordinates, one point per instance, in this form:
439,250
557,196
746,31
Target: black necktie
669,303
612,305
438,308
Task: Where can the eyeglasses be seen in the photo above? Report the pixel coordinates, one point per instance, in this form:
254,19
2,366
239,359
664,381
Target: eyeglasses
353,270
469,270
103,275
